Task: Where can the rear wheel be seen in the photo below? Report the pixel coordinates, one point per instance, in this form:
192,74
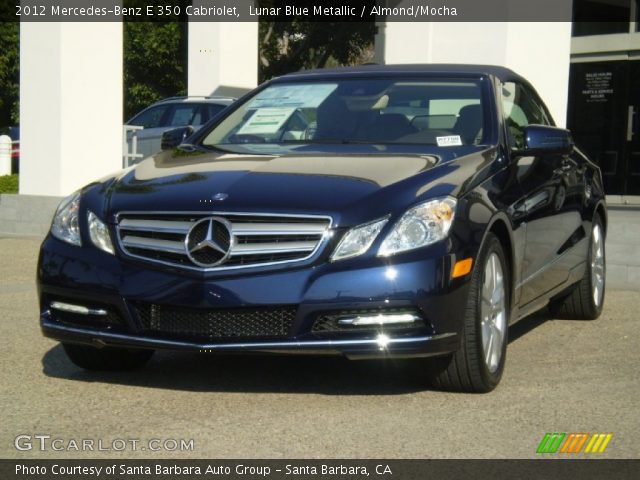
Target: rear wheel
478,365
106,359
586,298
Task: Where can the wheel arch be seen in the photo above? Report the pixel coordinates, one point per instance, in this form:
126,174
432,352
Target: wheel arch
601,210
499,226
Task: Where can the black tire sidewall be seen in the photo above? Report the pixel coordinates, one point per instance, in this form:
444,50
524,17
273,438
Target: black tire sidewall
492,245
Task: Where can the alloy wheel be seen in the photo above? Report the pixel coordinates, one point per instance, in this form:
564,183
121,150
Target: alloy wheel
493,313
597,265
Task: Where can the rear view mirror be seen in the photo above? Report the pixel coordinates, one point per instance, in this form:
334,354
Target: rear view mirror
172,138
545,140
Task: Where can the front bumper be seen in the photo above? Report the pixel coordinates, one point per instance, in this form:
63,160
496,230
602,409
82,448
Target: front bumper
419,281
362,348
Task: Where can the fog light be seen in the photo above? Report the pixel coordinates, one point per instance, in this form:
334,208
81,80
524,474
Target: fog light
380,319
80,309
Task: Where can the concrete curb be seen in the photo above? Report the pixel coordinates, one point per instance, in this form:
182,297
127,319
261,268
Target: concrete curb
623,248
26,215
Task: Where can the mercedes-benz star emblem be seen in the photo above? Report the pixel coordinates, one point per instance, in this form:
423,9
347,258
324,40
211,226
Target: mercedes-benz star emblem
209,242
219,197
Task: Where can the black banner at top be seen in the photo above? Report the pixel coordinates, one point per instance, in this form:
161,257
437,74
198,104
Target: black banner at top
287,10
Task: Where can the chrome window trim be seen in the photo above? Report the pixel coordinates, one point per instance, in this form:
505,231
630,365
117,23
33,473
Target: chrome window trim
203,214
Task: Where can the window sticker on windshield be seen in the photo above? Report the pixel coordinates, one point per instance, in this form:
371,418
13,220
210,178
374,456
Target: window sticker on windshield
266,120
450,141
296,96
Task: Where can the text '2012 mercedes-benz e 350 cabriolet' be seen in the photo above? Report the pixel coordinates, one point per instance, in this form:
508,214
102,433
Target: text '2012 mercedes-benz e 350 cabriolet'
372,212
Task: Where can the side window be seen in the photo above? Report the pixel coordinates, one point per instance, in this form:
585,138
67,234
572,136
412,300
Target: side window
521,108
150,118
182,115
214,110
205,113
198,119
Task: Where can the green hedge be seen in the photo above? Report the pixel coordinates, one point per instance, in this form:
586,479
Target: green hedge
9,184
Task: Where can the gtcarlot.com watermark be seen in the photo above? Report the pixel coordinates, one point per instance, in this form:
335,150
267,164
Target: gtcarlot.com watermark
45,442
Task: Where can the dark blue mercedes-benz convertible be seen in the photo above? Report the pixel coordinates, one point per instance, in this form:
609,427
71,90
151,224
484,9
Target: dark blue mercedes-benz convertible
373,212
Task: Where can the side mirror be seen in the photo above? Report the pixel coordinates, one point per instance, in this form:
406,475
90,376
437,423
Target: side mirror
545,140
172,138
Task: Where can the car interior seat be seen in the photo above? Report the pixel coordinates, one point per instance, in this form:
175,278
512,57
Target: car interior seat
389,127
469,123
334,120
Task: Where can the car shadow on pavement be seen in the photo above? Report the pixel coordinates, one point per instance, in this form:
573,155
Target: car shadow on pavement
527,324
268,373
254,373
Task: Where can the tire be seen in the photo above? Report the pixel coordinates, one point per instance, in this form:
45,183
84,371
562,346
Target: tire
106,359
471,369
586,298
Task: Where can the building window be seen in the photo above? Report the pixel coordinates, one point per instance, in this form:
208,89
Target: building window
602,17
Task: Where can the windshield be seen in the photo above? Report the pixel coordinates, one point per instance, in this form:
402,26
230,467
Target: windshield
439,112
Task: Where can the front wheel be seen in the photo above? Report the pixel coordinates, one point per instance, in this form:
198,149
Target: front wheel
477,367
106,359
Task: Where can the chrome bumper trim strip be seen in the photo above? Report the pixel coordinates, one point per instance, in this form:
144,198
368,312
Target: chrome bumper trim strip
106,337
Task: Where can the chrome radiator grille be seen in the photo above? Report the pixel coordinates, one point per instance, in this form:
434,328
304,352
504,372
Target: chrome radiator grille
219,241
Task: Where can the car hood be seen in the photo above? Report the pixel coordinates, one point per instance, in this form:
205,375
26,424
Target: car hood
305,184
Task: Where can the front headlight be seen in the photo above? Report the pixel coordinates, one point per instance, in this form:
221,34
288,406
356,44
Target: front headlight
66,226
422,225
99,233
358,240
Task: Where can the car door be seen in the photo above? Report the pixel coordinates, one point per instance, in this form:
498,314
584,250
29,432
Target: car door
153,121
552,198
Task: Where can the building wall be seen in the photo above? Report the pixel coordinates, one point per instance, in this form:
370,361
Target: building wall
71,94
536,50
70,104
223,58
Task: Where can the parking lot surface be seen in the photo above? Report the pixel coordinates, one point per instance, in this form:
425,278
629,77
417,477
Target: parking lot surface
561,376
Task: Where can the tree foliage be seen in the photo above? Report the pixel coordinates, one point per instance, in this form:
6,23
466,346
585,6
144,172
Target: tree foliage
155,56
155,63
9,73
155,66
291,46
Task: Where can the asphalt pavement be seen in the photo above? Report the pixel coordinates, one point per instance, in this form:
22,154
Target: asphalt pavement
561,376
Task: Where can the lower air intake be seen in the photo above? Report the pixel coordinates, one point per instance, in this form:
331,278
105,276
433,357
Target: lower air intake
218,324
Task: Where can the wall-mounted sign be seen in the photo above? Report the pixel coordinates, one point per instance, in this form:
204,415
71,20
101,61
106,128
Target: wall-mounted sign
597,86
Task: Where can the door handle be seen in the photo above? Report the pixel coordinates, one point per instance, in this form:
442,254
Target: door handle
630,117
